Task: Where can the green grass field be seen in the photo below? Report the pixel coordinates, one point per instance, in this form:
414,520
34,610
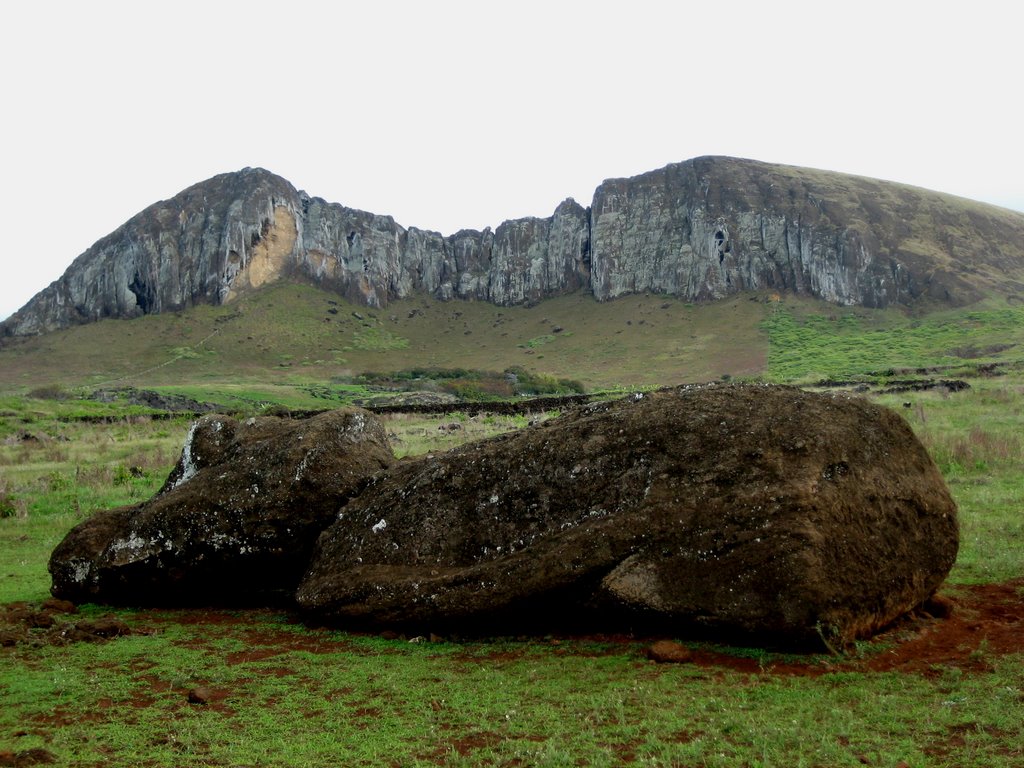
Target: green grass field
288,695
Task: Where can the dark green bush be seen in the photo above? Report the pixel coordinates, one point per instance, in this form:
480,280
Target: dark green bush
49,392
8,507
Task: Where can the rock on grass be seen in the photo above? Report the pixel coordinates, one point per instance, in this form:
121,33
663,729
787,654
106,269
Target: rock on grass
778,514
237,519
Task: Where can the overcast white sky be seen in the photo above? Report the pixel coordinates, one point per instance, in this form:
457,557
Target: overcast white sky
462,114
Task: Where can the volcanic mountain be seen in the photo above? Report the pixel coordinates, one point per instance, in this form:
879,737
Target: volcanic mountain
700,230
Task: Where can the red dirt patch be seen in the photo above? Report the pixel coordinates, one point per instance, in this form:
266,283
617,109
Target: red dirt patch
984,621
26,758
463,745
987,620
981,622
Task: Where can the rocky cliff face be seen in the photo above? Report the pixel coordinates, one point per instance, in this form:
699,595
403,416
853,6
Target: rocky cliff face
699,230
202,246
714,226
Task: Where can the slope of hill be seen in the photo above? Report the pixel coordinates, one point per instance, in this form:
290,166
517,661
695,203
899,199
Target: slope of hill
292,335
698,230
297,344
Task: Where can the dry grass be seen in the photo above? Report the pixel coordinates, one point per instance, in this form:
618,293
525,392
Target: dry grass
10,505
978,448
414,435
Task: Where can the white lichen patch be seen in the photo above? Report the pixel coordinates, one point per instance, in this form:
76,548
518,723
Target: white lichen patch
304,464
80,572
218,540
357,424
134,543
380,526
188,463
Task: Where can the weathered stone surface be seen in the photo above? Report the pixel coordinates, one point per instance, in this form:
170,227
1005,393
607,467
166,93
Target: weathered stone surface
700,229
714,226
236,520
536,258
354,252
198,248
669,652
767,511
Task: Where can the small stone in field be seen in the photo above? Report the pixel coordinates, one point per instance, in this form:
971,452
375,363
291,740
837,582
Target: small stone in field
669,652
200,695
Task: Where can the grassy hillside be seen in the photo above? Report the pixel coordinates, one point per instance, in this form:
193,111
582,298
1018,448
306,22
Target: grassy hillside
282,694
808,341
295,344
289,335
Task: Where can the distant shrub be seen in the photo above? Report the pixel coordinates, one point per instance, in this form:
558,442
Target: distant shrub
93,476
539,341
276,409
419,374
531,383
469,384
8,504
465,389
479,388
57,481
125,474
49,392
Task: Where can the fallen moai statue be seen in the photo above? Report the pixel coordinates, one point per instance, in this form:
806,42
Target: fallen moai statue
778,514
237,519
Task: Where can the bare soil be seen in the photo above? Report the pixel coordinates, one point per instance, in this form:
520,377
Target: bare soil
965,627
